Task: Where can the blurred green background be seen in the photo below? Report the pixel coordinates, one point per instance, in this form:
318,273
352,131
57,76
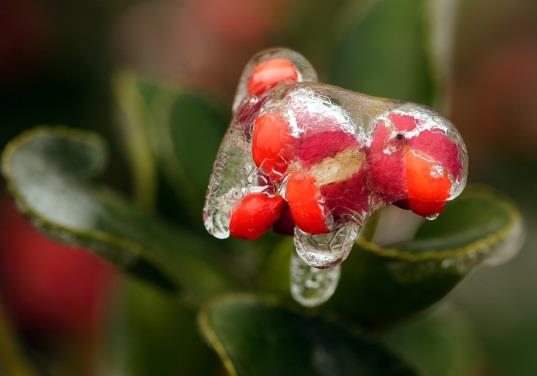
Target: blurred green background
57,58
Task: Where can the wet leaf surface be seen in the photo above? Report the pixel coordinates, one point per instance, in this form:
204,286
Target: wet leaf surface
49,172
156,334
381,285
255,336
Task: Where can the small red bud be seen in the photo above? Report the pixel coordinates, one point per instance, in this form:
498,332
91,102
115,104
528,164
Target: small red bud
254,215
269,73
413,170
272,145
304,198
427,189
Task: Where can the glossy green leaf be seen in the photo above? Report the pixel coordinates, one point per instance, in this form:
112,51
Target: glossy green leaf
197,128
384,284
255,336
177,131
156,334
383,52
502,302
440,344
380,285
49,172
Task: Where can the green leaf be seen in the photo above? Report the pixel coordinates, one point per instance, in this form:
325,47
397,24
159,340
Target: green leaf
49,173
384,284
181,130
301,29
197,128
256,336
441,344
384,52
156,334
380,285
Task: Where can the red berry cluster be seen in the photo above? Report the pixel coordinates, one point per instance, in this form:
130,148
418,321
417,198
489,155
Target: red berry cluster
322,175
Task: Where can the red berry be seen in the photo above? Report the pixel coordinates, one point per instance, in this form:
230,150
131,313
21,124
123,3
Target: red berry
254,215
268,74
428,186
426,209
412,171
438,146
272,145
303,196
334,185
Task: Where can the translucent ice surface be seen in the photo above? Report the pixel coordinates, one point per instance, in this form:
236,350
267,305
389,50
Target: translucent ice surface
234,173
325,250
315,161
311,286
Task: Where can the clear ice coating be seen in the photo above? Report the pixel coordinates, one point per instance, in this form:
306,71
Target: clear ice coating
315,161
326,250
234,172
311,286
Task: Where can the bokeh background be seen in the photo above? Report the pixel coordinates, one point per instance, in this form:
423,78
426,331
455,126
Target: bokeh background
57,60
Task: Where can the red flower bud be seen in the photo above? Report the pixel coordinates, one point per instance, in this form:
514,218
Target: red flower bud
272,145
254,215
304,198
268,74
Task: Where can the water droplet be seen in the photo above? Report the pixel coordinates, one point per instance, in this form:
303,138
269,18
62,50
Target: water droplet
311,286
432,217
326,250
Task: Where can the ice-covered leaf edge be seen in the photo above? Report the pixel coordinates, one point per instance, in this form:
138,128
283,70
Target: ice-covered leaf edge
390,283
125,253
381,285
478,246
